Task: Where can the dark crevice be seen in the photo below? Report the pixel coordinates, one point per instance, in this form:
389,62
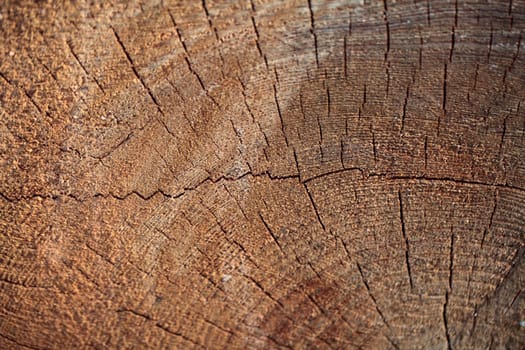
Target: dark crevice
267,174
140,195
387,26
103,257
420,59
49,71
361,171
491,221
114,148
88,278
245,100
194,73
216,34
254,281
426,153
206,277
428,12
516,260
392,343
445,322
187,60
374,146
8,81
329,103
134,69
511,304
451,259
227,235
213,324
481,245
314,207
272,234
280,114
387,69
83,67
236,131
258,41
179,35
311,268
515,57
277,342
237,202
134,312
177,334
407,246
490,43
316,304
250,112
405,103
452,44
367,286
276,74
143,83
345,54
208,17
341,154
297,164
312,31
503,134
164,234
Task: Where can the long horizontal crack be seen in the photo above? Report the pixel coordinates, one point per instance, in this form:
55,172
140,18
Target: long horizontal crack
382,176
385,176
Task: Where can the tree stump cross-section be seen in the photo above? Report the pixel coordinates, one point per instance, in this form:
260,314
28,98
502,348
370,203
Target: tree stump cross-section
262,174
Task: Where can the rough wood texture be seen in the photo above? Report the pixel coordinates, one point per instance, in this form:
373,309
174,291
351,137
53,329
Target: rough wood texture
236,174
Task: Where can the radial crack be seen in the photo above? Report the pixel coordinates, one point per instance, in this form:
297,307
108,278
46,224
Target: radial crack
137,75
405,103
271,297
445,322
387,26
257,35
272,234
177,334
280,114
451,259
83,67
365,282
314,207
407,246
452,43
312,31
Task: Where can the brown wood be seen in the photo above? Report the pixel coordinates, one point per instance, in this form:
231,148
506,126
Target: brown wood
262,175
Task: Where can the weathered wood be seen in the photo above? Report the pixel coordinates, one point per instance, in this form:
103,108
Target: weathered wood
236,174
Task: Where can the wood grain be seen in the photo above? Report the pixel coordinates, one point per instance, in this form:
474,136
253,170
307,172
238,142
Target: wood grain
262,174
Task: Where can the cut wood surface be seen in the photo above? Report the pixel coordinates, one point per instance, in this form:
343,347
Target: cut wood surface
262,174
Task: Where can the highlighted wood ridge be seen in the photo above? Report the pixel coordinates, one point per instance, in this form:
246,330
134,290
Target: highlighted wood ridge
263,174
